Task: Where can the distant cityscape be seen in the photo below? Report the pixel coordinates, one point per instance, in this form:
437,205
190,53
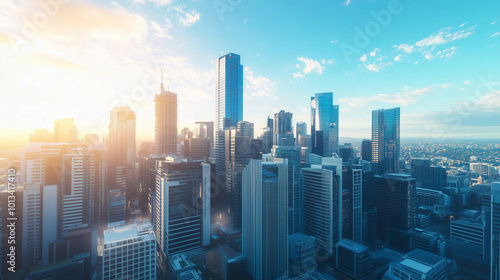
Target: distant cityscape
224,201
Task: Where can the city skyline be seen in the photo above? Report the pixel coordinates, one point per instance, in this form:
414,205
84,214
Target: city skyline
382,74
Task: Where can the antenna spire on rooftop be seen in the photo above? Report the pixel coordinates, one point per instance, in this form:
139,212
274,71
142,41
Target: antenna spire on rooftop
162,87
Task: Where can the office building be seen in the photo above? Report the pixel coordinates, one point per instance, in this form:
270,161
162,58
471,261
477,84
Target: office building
427,176
324,125
322,203
385,141
42,135
418,264
300,129
301,258
208,131
121,151
129,252
396,202
165,121
283,130
292,154
352,181
264,229
354,260
182,205
267,136
65,131
495,231
366,150
117,206
199,148
346,152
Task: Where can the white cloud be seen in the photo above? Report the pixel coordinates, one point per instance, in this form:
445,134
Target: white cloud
404,98
493,22
467,82
161,31
187,19
298,75
443,36
445,86
310,65
347,2
259,86
462,25
362,58
405,47
372,67
374,52
398,58
156,2
334,41
495,34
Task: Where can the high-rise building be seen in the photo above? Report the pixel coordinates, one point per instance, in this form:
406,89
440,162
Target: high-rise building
300,128
78,171
199,148
165,121
292,154
117,206
208,128
121,151
322,203
396,201
65,131
495,231
346,152
267,136
264,229
352,181
324,124
385,141
129,252
42,135
228,107
354,260
283,130
366,150
182,205
300,254
427,176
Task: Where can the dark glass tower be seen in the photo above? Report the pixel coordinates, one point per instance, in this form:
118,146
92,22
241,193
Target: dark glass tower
385,141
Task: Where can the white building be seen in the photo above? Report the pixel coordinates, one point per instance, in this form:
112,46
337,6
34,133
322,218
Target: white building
129,252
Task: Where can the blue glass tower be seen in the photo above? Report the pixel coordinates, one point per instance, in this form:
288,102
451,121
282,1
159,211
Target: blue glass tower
228,112
324,124
385,141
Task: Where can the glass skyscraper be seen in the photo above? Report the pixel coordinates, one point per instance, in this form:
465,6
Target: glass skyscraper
324,124
385,141
228,111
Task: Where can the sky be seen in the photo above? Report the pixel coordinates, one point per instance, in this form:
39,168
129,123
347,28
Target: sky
437,60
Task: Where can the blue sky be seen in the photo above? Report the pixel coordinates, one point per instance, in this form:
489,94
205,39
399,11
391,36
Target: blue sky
437,60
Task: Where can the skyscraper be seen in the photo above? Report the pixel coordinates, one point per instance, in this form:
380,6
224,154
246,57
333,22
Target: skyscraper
65,131
322,203
182,205
228,106
396,200
366,150
301,128
165,122
264,230
209,131
495,231
324,124
129,252
238,154
385,141
283,130
121,150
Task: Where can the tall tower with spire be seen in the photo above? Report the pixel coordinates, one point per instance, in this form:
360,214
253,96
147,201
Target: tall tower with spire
165,121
